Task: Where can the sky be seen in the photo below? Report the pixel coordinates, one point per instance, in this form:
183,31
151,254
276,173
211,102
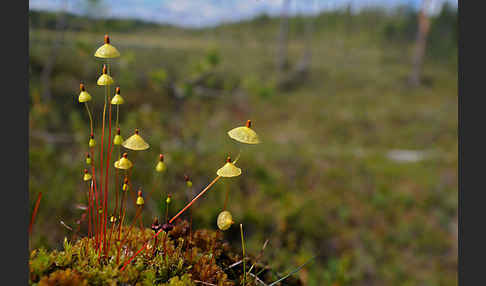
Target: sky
200,13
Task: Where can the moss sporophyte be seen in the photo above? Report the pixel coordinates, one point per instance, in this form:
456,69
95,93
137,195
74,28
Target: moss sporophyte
128,255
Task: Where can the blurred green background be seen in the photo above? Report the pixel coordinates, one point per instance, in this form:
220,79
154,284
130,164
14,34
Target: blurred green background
357,166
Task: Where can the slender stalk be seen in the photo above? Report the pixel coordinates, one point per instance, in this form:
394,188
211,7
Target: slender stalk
122,217
111,233
141,227
123,206
141,223
117,115
91,204
195,199
95,199
116,206
237,156
90,190
101,169
139,211
166,210
34,213
107,171
243,247
90,117
119,234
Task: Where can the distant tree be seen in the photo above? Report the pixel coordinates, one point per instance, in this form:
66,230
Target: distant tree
282,55
443,35
420,44
290,77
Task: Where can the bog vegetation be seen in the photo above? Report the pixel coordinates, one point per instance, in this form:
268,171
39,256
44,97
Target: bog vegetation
110,253
356,168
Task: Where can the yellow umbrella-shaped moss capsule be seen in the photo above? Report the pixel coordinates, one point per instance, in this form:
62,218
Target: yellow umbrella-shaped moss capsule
117,99
225,220
91,142
229,170
140,200
105,79
160,167
125,184
88,159
87,176
168,200
244,134
84,96
107,51
118,140
188,181
123,163
135,142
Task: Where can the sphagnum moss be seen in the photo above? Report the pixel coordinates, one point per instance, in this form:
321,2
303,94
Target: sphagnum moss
111,254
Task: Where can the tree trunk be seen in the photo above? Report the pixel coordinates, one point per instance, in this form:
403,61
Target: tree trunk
420,45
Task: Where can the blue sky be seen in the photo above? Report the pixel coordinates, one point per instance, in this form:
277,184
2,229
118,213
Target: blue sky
196,13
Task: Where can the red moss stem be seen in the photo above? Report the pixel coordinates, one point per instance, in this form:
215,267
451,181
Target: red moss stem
122,217
111,233
90,190
34,213
101,171
107,174
116,207
195,199
94,199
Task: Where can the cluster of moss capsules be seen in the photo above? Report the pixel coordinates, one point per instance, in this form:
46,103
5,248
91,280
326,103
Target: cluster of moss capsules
98,185
106,255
